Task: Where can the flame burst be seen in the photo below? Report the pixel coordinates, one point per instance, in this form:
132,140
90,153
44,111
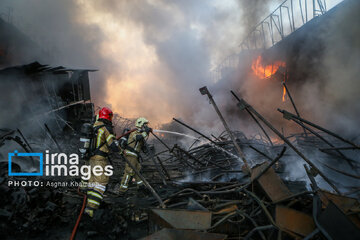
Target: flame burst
284,94
266,71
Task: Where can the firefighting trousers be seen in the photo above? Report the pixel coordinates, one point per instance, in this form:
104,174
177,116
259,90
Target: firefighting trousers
130,173
97,184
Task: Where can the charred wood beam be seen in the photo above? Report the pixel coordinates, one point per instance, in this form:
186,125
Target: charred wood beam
289,116
243,104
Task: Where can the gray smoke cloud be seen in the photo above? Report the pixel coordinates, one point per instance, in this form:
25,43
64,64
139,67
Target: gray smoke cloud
186,39
153,56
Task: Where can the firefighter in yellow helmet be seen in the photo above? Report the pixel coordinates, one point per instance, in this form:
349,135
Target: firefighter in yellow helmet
135,144
104,141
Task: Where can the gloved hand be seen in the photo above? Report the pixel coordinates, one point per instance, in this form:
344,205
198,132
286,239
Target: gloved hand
147,129
123,142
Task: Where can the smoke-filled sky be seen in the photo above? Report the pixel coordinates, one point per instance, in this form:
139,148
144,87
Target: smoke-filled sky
152,55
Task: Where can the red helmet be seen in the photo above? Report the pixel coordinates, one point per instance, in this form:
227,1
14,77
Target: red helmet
106,113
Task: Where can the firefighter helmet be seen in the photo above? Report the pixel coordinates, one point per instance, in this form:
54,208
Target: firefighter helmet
106,113
140,122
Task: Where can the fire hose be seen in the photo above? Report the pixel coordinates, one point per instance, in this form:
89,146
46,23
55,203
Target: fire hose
73,233
137,172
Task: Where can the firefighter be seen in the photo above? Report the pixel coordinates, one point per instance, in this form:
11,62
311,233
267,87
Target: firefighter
135,143
104,141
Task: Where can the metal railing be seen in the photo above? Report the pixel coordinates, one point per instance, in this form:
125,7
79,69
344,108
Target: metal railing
284,20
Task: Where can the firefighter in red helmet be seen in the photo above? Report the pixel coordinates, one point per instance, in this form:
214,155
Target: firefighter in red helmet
104,142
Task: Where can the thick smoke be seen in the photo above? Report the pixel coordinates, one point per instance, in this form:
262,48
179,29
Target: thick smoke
153,56
54,27
335,99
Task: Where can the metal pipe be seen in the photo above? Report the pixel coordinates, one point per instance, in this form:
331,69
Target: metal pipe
243,104
25,140
164,169
257,122
52,137
145,182
216,145
290,116
324,140
293,103
205,91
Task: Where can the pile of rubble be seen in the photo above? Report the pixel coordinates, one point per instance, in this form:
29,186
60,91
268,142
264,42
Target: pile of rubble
228,187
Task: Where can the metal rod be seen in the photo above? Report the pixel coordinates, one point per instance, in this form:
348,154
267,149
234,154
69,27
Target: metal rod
293,103
146,183
257,122
338,148
243,104
207,138
205,91
25,140
161,141
52,137
188,154
324,140
341,172
271,164
258,151
288,115
158,169
163,168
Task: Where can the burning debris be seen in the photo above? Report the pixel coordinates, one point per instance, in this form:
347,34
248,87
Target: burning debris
210,191
196,184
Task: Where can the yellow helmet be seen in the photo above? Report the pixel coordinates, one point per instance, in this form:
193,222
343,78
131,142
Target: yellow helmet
140,122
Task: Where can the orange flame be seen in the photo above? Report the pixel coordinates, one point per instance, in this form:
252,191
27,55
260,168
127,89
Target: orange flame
284,93
266,71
